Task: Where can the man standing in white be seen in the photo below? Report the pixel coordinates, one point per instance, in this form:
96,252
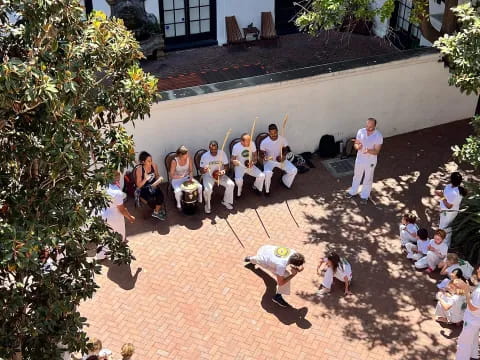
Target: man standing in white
214,164
368,144
244,157
276,259
273,150
467,343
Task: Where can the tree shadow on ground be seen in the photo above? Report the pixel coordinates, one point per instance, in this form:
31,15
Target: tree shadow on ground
286,316
389,307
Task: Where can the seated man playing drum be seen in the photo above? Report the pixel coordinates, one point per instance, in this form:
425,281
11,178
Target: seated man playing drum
181,171
214,165
244,157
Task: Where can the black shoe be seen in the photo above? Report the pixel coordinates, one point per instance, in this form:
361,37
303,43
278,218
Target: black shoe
278,299
283,184
237,196
257,192
247,259
267,194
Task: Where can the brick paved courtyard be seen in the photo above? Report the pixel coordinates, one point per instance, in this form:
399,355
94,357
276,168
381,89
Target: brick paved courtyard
190,296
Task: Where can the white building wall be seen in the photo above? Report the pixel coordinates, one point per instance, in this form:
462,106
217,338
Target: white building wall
246,12
404,96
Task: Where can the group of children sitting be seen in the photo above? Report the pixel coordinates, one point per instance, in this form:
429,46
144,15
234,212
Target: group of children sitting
98,352
432,254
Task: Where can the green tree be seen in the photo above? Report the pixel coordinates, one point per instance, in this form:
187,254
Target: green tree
67,84
317,15
460,53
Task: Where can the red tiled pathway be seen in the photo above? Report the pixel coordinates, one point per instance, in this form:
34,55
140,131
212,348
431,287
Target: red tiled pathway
193,298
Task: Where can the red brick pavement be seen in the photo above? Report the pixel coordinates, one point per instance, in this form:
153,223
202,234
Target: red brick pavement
195,299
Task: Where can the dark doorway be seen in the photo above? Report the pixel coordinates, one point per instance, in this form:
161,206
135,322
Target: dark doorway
188,23
285,13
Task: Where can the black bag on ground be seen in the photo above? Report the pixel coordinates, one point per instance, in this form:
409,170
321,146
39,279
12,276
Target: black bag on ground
327,147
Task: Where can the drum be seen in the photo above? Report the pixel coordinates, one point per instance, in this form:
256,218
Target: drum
189,197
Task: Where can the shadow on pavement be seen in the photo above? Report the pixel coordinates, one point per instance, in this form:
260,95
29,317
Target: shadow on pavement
122,274
287,316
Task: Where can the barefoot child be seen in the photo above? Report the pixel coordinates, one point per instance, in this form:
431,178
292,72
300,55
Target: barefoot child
334,266
416,252
437,250
408,229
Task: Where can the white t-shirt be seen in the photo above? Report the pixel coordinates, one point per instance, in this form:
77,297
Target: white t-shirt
273,148
274,258
344,269
473,316
406,236
422,246
368,142
452,195
442,247
456,312
111,213
214,162
242,153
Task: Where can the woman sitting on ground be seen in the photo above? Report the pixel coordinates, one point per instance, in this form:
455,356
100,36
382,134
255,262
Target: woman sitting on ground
146,175
334,266
450,305
181,170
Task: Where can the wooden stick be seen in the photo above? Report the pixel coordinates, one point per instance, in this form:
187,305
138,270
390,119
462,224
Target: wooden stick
223,146
284,125
251,140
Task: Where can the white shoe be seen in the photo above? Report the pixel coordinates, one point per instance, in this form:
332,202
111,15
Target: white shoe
207,209
227,205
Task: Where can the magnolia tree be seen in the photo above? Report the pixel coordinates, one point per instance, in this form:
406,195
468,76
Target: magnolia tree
461,54
67,84
317,15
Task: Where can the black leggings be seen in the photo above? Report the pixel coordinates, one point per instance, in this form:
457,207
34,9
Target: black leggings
154,197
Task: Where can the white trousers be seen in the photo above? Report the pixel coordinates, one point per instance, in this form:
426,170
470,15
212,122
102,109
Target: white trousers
287,178
467,343
240,171
283,289
177,189
358,172
431,260
410,254
446,217
328,278
225,181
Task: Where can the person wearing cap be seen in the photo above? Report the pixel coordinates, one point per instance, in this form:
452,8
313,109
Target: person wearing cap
181,170
244,157
273,150
284,263
213,166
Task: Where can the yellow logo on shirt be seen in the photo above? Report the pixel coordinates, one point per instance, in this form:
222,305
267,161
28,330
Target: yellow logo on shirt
282,252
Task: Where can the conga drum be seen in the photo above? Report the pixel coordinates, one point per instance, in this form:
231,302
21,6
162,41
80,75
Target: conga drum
189,197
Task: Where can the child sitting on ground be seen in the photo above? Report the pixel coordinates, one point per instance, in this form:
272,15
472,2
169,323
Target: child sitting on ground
450,305
451,263
408,229
416,252
127,351
334,267
437,250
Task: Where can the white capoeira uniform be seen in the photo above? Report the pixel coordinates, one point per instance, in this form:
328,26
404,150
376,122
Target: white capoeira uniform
467,343
432,259
183,171
421,246
113,217
456,312
275,259
463,265
405,233
344,269
365,163
215,163
242,154
273,149
452,195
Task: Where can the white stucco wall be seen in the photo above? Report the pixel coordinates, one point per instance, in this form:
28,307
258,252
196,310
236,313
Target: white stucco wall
404,96
246,12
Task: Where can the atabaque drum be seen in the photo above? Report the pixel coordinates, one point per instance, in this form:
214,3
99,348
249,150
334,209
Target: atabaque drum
189,196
